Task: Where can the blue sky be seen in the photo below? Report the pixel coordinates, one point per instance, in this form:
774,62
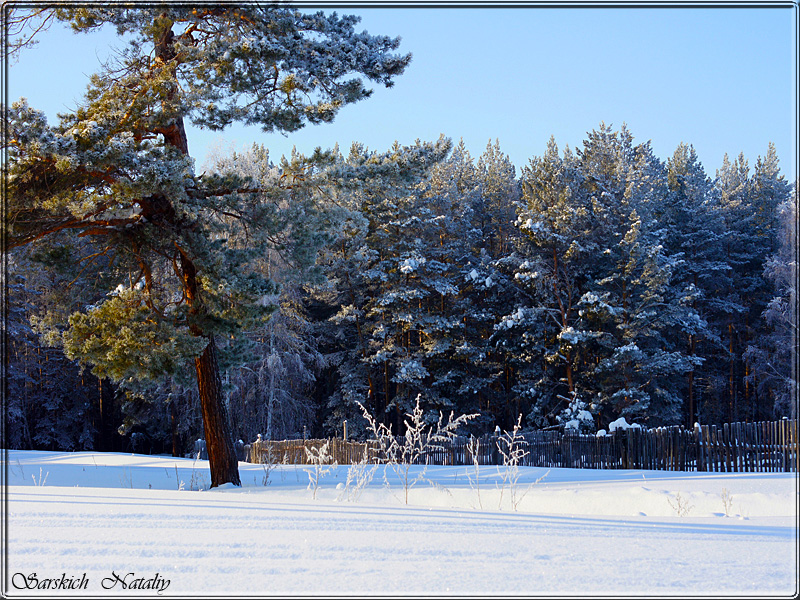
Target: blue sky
722,79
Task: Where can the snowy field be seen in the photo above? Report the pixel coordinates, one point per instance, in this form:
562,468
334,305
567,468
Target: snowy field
147,524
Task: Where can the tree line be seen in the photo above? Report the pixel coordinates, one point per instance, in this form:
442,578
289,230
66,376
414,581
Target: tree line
599,283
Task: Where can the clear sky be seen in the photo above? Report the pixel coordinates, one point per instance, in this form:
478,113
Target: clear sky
721,79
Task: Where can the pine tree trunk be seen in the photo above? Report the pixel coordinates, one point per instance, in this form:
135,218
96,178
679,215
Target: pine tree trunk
271,400
173,421
692,352
222,459
101,426
223,463
731,385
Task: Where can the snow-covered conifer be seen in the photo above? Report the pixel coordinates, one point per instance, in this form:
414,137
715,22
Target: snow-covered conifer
118,172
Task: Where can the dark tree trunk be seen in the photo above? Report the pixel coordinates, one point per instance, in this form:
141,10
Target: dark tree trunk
222,459
692,352
173,423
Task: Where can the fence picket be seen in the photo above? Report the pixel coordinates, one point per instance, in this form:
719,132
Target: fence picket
772,449
713,448
784,448
745,448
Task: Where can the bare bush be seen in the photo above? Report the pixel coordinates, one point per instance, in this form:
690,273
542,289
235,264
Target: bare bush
473,447
359,475
681,505
419,438
321,463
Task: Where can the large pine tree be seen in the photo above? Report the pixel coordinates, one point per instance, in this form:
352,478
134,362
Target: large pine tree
695,233
117,173
373,266
748,204
553,266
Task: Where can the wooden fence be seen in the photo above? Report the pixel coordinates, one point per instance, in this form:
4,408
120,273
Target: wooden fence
293,452
732,447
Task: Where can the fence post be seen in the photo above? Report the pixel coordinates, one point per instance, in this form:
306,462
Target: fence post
698,442
772,436
784,446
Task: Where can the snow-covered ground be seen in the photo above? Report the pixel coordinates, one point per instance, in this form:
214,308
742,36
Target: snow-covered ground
97,521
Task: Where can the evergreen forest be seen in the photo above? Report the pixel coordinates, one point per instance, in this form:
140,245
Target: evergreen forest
594,283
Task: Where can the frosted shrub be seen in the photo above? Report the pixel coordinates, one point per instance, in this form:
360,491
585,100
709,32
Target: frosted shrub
42,480
267,468
681,505
198,482
126,479
263,452
512,448
178,480
727,501
419,438
321,464
473,447
359,475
